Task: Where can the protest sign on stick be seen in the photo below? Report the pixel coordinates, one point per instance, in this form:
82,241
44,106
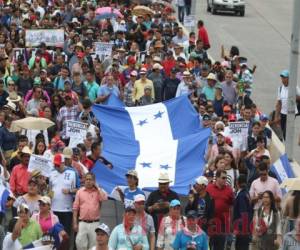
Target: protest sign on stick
76,131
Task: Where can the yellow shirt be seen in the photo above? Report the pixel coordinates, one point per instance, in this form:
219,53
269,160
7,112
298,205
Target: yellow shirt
139,88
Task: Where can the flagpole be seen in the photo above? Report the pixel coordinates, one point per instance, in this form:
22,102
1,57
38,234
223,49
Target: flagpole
294,52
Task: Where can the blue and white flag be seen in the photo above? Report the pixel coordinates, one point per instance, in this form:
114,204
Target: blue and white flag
163,137
4,193
282,168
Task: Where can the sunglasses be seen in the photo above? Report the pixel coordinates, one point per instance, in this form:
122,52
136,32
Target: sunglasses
42,204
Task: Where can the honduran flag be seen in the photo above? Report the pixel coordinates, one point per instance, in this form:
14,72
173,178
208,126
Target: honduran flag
4,194
282,168
162,137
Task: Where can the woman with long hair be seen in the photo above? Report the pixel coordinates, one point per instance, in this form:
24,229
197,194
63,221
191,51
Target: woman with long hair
56,103
267,224
231,169
40,148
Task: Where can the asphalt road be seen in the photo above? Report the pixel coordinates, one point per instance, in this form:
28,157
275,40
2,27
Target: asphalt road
263,36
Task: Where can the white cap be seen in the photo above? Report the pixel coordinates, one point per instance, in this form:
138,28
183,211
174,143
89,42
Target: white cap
139,197
11,105
202,180
45,199
103,227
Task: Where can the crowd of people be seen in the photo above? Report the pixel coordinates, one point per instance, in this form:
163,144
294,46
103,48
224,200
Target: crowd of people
236,201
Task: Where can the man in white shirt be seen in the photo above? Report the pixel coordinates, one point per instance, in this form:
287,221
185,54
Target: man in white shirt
63,186
185,86
282,100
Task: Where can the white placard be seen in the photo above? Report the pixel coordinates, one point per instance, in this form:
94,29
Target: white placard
238,132
103,49
52,37
189,21
41,164
76,129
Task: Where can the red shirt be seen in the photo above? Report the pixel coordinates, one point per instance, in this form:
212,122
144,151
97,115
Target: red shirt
168,65
88,163
223,198
19,179
202,34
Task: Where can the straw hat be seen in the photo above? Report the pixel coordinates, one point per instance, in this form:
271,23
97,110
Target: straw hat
13,97
164,178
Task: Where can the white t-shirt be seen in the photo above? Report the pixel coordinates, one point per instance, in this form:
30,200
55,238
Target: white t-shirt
66,180
8,243
283,94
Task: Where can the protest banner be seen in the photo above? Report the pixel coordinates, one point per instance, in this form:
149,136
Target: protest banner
238,132
103,49
52,37
76,131
40,163
189,21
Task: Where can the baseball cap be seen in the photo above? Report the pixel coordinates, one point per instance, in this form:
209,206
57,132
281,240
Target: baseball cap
132,173
23,208
232,118
143,71
285,73
186,73
58,159
133,73
226,108
45,199
211,76
202,180
131,60
206,117
130,208
67,152
175,203
191,214
103,227
157,66
174,70
139,197
75,151
264,117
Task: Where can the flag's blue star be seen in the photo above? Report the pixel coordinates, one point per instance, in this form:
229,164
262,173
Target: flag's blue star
146,164
158,115
166,167
142,122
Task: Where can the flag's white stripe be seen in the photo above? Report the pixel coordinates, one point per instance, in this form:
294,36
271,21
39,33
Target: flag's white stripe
280,170
154,129
157,146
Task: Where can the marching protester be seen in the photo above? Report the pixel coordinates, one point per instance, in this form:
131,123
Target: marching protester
102,237
144,220
170,225
158,202
86,212
127,235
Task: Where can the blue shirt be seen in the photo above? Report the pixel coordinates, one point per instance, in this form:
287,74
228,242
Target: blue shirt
121,240
129,195
184,238
105,90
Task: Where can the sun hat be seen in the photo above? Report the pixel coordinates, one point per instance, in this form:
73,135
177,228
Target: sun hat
13,97
211,76
164,178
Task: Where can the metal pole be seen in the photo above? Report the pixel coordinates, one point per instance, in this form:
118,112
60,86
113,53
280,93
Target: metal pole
290,127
